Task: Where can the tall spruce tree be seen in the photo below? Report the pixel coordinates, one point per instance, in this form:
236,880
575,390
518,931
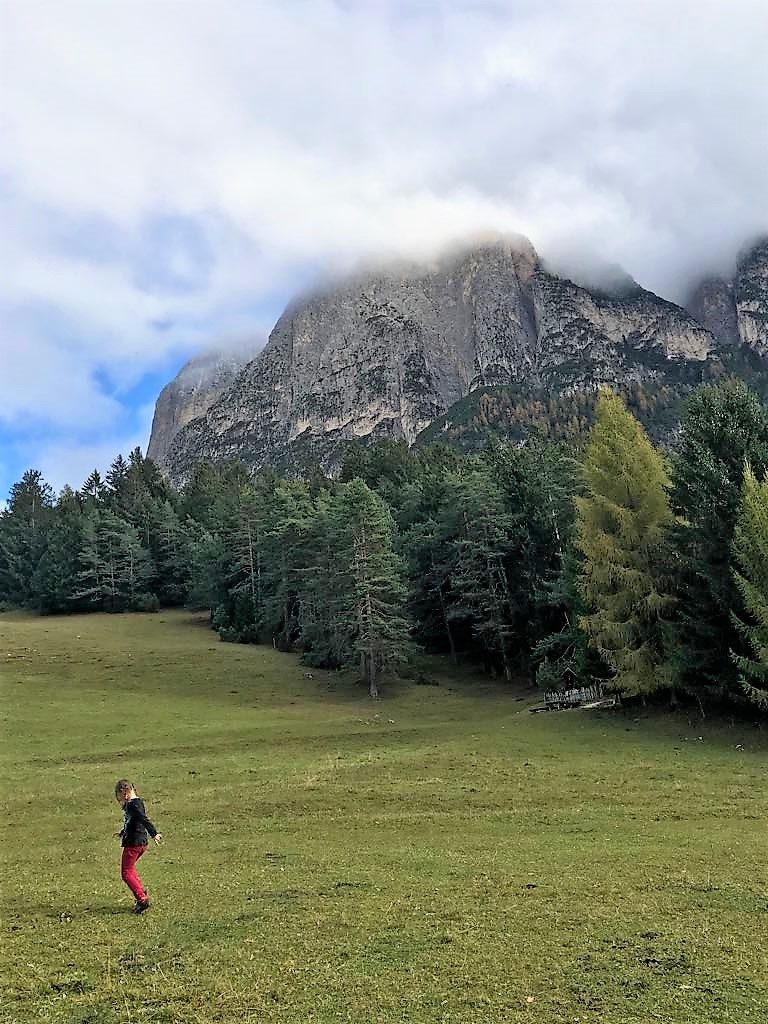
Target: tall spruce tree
114,568
622,525
245,535
431,564
55,579
370,590
565,657
322,630
169,547
725,426
209,568
117,477
287,525
485,537
23,528
94,492
750,549
538,481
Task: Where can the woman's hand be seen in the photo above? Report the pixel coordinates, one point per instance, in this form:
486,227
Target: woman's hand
118,835
158,839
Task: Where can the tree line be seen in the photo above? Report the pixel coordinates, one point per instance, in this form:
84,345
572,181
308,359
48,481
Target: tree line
614,560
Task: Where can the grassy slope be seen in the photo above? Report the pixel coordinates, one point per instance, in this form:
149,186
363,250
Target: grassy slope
439,856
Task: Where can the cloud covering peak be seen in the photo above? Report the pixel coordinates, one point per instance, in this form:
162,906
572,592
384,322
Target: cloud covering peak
171,173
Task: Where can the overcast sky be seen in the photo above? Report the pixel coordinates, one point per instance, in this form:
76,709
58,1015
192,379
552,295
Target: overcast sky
171,171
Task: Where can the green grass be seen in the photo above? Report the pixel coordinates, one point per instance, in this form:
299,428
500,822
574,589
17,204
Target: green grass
442,855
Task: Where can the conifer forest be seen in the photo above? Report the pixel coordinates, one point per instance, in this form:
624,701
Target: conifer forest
612,560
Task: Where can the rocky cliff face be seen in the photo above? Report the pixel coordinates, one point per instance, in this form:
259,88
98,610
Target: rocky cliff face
713,304
751,296
736,311
191,393
386,354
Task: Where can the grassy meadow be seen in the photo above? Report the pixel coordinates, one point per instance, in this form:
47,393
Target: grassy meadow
439,856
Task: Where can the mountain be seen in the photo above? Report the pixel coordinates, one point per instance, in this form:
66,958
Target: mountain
384,355
192,392
736,310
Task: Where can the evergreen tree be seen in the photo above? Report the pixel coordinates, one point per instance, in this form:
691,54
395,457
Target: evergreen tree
209,569
484,537
725,426
366,597
564,656
135,501
114,567
113,572
287,527
623,519
200,496
55,578
239,505
94,492
431,562
87,591
426,543
169,547
247,541
538,482
750,549
324,630
138,573
23,527
117,478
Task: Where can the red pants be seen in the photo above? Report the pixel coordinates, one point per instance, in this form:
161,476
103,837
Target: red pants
128,871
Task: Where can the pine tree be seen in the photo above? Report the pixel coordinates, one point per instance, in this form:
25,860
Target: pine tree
117,477
114,568
23,528
138,573
94,492
483,538
200,496
87,591
169,545
565,657
287,526
622,525
725,426
379,592
431,565
750,549
322,632
55,578
209,569
428,550
538,481
248,544
135,501
110,531
367,596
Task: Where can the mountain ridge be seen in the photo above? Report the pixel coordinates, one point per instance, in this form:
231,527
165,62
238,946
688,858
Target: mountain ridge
386,353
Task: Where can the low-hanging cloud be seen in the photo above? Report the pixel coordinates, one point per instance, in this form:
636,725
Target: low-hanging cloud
171,173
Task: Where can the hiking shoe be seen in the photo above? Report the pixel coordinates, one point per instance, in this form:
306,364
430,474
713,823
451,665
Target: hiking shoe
142,906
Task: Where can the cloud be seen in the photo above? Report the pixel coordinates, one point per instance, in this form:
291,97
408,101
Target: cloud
69,459
171,173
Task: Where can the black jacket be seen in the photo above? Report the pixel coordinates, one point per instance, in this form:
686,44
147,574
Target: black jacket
136,824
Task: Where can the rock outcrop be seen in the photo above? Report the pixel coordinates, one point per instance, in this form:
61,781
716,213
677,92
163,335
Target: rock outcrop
751,295
736,311
713,304
385,354
191,393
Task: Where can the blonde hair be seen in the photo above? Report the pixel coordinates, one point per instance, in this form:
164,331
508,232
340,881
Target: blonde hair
124,786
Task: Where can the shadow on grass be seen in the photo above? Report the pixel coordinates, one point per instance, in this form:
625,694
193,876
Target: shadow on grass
23,912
